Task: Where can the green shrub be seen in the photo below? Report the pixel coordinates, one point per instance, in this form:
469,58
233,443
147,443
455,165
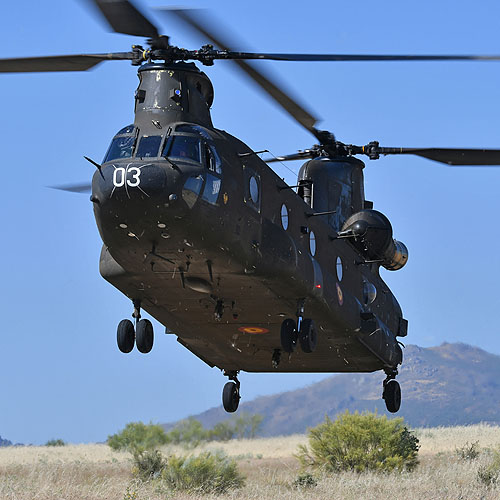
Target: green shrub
468,451
55,442
206,473
490,474
137,437
305,480
223,431
360,442
148,464
189,432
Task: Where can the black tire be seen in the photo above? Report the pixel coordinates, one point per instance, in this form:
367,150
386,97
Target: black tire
392,396
125,335
144,336
289,335
230,397
308,336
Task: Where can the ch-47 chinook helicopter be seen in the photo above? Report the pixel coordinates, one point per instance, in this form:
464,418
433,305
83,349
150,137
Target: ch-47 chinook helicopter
248,272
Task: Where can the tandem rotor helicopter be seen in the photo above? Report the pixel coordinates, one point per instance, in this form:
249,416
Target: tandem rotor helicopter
249,273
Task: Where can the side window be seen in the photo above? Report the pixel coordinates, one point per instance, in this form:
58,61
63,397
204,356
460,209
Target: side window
212,159
252,188
214,181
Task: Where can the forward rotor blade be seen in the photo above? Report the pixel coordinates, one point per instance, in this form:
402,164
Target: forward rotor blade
75,188
290,105
301,155
450,156
354,57
124,17
77,62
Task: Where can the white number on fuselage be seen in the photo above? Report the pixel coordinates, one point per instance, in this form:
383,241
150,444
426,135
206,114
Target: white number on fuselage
120,176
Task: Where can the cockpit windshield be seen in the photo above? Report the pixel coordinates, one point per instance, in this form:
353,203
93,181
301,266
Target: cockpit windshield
183,147
149,146
121,147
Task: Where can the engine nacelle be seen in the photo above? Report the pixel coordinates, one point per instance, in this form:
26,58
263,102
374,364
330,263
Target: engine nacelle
370,232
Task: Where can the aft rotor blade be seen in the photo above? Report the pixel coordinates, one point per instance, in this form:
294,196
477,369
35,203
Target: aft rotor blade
77,62
124,17
450,156
75,188
290,105
354,57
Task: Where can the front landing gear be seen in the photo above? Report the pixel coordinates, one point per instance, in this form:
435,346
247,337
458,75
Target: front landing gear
125,335
231,393
142,335
392,393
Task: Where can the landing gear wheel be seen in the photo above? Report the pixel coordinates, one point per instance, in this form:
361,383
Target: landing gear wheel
308,336
125,335
230,397
144,336
392,395
289,335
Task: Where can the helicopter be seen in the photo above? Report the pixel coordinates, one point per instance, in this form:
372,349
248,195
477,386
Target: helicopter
203,235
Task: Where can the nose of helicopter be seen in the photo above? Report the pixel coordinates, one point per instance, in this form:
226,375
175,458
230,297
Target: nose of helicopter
131,192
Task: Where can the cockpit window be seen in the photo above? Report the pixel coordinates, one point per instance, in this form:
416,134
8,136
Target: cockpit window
126,130
121,147
148,146
183,147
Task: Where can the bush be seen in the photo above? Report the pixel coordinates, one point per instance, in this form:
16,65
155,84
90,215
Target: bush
468,451
148,464
305,480
137,437
55,442
207,473
359,442
490,474
189,432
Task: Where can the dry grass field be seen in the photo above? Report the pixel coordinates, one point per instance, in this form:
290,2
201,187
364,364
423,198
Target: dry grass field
91,472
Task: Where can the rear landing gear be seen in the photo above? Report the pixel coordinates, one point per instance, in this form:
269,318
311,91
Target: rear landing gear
305,334
289,335
142,335
231,393
392,393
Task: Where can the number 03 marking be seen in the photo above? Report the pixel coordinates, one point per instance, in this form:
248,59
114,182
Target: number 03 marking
120,176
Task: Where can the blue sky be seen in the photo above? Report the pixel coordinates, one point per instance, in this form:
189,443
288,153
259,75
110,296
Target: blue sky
62,375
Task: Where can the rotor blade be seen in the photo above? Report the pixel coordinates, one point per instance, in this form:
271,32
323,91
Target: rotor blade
290,105
124,17
353,57
450,156
301,155
75,188
77,62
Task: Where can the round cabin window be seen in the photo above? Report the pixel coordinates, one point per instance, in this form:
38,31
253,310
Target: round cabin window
338,268
312,243
369,293
284,217
254,190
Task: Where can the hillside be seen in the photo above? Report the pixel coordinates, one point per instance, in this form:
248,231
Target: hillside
452,384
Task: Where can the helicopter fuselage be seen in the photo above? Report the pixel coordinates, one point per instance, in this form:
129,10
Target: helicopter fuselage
219,249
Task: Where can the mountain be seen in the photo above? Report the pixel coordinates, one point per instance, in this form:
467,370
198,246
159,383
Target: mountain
5,442
452,384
